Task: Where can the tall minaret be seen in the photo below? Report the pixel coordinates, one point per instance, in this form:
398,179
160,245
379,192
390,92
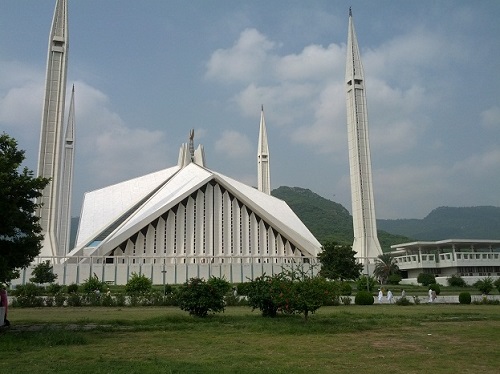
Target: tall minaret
51,137
67,180
366,244
263,171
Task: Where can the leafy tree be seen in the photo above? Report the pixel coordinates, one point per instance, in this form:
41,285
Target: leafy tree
199,297
426,279
365,283
456,281
497,284
138,284
338,262
93,284
43,273
385,266
20,231
485,285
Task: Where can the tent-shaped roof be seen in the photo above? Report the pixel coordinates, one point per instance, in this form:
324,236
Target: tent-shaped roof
112,214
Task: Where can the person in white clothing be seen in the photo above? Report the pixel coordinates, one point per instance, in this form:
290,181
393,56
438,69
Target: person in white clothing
380,295
389,296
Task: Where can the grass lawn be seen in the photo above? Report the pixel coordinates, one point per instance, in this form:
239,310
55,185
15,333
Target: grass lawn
345,339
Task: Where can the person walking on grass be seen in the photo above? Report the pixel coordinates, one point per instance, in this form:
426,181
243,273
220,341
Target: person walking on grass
4,302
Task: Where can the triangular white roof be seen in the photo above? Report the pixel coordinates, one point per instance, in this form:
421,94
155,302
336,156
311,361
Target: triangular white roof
111,215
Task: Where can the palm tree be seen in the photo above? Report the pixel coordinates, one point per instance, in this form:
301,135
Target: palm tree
385,266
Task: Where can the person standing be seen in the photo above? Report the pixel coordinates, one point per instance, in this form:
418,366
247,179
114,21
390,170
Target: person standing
380,295
389,296
4,302
430,295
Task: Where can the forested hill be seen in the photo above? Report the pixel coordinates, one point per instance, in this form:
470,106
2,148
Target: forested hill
480,222
327,220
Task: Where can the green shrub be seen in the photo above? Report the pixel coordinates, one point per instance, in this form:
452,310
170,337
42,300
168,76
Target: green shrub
49,301
120,299
242,288
93,284
73,288
497,284
364,298
260,291
394,279
435,287
361,283
138,284
59,299
74,299
485,285
345,289
464,298
27,301
456,281
28,290
198,297
426,279
54,288
346,300
403,301
416,300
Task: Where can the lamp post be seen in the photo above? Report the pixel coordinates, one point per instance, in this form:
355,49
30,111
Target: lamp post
164,272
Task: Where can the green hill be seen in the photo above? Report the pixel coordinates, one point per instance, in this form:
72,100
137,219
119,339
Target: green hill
480,222
327,220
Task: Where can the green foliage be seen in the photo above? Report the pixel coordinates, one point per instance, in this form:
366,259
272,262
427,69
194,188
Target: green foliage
361,283
291,291
54,288
464,298
43,273
363,298
199,297
346,300
338,262
59,299
29,289
456,281
73,288
485,285
385,266
74,299
435,287
394,279
403,301
426,279
345,288
27,301
138,284
497,284
260,293
93,284
20,231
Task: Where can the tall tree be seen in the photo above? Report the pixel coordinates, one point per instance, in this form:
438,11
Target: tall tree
385,266
20,231
338,262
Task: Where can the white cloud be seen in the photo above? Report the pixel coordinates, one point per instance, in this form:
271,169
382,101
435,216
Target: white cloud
490,118
244,62
234,144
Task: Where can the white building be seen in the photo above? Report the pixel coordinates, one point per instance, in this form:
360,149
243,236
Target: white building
470,258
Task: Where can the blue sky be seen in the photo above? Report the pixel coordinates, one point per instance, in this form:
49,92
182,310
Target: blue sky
146,72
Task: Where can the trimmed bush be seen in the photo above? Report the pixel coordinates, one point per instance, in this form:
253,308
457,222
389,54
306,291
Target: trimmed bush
464,298
497,284
363,298
403,301
73,288
363,280
394,279
93,284
426,279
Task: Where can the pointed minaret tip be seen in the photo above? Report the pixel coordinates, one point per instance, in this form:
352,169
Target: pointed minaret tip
350,12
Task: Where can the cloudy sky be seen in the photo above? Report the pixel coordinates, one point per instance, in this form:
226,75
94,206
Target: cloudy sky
146,72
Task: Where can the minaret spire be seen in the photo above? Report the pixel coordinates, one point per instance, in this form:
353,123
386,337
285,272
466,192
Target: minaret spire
67,180
366,244
51,136
263,170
